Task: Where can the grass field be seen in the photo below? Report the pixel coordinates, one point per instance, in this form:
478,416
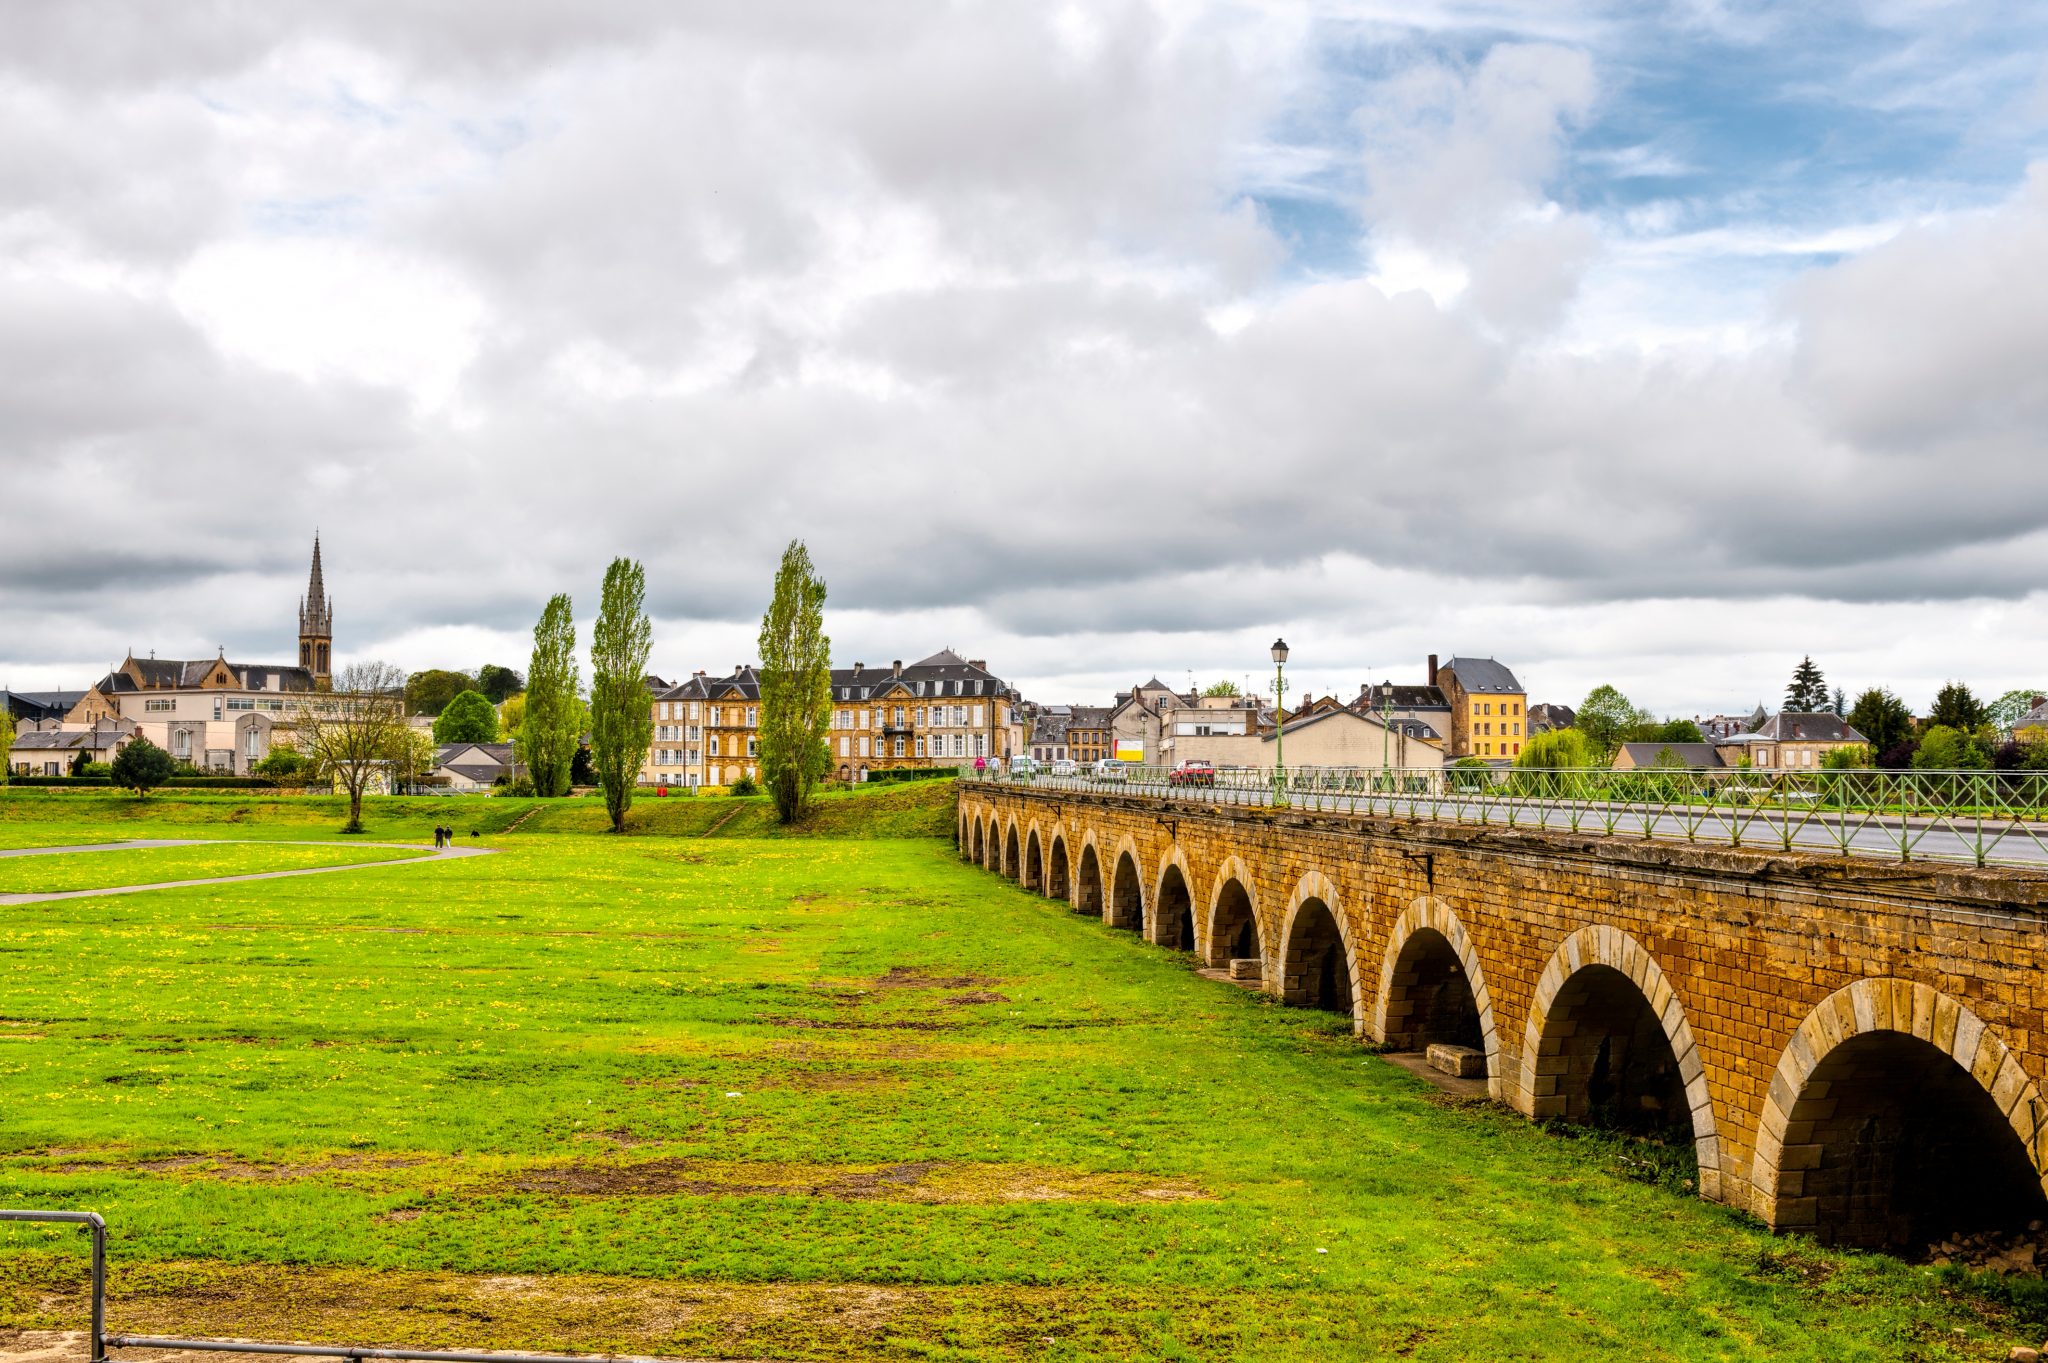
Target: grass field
832,1096
44,874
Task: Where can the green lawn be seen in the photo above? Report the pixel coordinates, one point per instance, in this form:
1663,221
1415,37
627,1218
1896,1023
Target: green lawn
825,1097
55,871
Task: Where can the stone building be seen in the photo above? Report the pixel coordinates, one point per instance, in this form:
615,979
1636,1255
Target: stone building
942,711
1088,735
1489,708
217,715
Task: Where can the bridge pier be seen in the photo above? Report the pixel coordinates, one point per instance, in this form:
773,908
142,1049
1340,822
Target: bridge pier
1853,1048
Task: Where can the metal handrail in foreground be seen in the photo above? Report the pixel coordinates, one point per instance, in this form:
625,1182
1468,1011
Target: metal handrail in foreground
94,1226
1974,817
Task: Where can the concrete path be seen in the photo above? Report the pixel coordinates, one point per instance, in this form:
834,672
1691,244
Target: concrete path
425,854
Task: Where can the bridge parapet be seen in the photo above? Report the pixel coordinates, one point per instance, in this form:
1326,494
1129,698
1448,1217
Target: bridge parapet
1852,1046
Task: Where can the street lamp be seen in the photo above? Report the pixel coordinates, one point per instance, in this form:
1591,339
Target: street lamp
1386,730
1279,723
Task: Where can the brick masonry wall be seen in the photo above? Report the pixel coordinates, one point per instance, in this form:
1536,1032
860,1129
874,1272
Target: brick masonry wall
1756,964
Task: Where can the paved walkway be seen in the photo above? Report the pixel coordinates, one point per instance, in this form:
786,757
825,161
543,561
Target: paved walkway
425,854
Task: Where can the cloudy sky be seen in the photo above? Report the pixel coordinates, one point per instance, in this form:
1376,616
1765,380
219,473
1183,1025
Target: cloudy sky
1648,343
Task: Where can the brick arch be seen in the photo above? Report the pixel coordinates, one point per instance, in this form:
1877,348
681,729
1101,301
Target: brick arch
1215,945
1090,855
1011,864
1172,858
1542,1059
1294,986
1869,1008
1031,874
1429,914
1121,915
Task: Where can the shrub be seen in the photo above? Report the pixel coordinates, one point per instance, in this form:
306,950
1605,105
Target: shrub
522,787
744,786
896,774
141,765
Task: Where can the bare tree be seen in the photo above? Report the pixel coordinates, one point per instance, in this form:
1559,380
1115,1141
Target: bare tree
354,731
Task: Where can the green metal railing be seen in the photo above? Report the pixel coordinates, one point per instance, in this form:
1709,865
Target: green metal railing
1977,817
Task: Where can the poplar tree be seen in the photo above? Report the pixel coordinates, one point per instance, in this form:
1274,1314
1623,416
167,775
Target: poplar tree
551,726
796,685
621,712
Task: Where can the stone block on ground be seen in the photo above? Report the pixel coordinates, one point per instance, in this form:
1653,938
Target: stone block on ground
1460,1062
1247,968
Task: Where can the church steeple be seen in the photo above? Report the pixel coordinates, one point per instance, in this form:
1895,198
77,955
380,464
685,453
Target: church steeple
316,625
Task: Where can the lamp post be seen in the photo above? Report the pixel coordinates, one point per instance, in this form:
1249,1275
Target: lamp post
1279,724
1386,731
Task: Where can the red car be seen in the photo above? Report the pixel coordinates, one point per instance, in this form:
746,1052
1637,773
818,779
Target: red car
1193,772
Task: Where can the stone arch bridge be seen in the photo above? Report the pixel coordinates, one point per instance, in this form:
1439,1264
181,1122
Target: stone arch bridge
1853,1048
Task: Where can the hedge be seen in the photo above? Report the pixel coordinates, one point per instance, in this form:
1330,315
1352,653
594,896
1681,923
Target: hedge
175,783
913,774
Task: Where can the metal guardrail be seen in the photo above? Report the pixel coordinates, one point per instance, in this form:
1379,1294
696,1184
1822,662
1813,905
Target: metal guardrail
102,1341
1980,818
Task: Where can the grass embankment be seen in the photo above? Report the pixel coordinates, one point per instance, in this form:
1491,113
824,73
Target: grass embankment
53,872
814,1097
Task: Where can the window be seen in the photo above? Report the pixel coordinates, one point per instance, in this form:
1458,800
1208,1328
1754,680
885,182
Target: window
751,742
980,742
160,706
898,712
241,702
275,707
714,745
899,747
863,745
751,713
181,743
1518,750
693,709
714,716
975,711
251,742
959,745
844,745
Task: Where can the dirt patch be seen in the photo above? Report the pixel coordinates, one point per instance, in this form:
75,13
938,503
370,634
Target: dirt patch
213,1166
910,977
851,1025
978,996
619,1138
921,1181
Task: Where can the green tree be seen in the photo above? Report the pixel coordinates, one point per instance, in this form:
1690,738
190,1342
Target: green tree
512,714
1562,748
552,725
1221,688
2009,708
428,692
1674,731
499,684
6,740
469,718
141,766
1946,749
280,764
621,711
1848,757
1956,707
1607,717
1882,718
1839,702
796,685
1808,693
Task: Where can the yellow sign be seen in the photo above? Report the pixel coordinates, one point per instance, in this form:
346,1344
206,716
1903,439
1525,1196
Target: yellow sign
1131,750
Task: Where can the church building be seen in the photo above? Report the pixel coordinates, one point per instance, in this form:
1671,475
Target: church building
217,715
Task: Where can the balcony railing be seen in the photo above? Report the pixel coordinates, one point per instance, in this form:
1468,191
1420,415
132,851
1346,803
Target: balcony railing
1978,817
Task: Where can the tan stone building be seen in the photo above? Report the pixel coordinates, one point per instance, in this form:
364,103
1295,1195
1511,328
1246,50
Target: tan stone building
1790,741
942,711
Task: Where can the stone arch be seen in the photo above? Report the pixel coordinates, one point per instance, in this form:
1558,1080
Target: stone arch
1172,920
992,848
1599,1025
1012,851
1432,987
1126,906
1885,1078
1058,875
1088,896
979,854
1233,917
1033,875
1317,966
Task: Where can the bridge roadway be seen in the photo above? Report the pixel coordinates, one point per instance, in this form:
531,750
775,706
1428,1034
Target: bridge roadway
1967,839
1853,1046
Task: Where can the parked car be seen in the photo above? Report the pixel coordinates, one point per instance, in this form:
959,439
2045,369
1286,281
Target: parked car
1023,768
1111,769
1196,771
1065,767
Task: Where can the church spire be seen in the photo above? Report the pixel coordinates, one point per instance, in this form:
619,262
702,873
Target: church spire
316,624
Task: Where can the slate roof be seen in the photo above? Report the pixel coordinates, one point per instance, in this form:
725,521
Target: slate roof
40,704
2036,716
1689,754
171,674
944,675
1405,697
1050,728
1483,675
1795,727
1413,728
70,740
1089,717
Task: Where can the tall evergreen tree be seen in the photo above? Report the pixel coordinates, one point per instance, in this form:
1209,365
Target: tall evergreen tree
1956,706
1808,693
550,729
796,685
1839,702
621,711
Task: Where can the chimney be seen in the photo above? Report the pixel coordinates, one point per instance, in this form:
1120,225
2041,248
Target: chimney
981,663
896,668
2038,702
857,667
1432,669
